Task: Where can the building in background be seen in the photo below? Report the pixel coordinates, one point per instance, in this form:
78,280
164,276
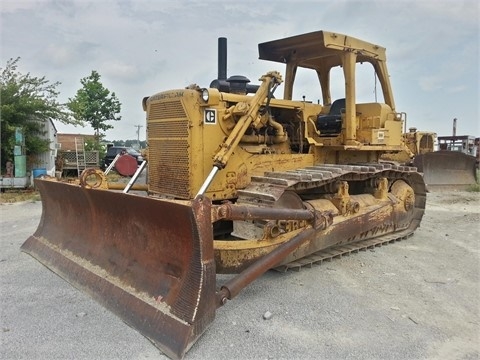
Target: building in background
21,170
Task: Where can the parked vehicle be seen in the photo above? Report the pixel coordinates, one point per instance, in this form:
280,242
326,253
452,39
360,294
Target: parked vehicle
115,150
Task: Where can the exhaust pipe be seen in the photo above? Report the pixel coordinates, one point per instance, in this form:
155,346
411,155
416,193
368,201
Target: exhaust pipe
221,82
237,83
222,58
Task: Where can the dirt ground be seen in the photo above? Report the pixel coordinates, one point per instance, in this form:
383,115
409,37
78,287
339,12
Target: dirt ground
414,299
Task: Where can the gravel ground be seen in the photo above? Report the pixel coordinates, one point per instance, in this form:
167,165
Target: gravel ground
415,299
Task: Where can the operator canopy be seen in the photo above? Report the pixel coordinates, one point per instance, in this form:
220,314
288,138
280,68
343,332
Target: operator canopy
319,49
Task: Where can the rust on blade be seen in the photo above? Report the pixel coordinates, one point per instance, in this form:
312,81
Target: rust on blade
149,261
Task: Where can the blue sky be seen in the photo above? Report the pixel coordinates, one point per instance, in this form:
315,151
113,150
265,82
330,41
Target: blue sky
143,47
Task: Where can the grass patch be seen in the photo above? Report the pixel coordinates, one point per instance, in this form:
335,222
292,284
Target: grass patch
18,195
113,177
13,195
475,187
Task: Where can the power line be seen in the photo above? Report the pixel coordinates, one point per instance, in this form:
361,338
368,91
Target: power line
138,134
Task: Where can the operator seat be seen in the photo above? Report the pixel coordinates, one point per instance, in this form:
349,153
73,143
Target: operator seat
331,124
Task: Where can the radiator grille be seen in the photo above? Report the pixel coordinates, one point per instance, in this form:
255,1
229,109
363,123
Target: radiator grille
168,129
426,142
169,150
167,110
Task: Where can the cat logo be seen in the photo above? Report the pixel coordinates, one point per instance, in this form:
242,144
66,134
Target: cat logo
210,116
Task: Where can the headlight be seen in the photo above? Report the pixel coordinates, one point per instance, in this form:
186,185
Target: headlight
205,95
209,97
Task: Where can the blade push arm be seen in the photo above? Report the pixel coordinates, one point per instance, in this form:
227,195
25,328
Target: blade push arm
251,114
269,82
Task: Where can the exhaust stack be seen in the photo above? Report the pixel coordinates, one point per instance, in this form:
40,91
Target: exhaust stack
222,58
237,83
221,82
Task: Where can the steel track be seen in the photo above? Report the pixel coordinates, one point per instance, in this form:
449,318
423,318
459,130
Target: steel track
344,250
265,190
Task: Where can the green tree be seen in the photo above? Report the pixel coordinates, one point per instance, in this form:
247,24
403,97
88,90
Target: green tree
27,102
135,143
118,143
94,145
95,105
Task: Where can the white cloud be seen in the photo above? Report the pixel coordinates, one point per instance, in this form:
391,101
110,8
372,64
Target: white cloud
10,6
142,47
457,89
118,69
430,83
59,55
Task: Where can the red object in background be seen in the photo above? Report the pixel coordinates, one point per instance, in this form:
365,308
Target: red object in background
126,165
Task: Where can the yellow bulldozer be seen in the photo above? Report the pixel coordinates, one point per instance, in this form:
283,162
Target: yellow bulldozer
239,181
416,143
454,164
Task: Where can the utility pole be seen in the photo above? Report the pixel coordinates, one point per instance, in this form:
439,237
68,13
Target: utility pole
138,134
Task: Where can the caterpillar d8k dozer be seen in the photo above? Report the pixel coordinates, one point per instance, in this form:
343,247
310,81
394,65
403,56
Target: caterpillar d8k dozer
238,182
454,165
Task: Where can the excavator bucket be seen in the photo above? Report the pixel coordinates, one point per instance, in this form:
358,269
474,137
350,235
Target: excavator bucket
446,168
150,261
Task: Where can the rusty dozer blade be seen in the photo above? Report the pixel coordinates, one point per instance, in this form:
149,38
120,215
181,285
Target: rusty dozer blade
147,260
446,168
